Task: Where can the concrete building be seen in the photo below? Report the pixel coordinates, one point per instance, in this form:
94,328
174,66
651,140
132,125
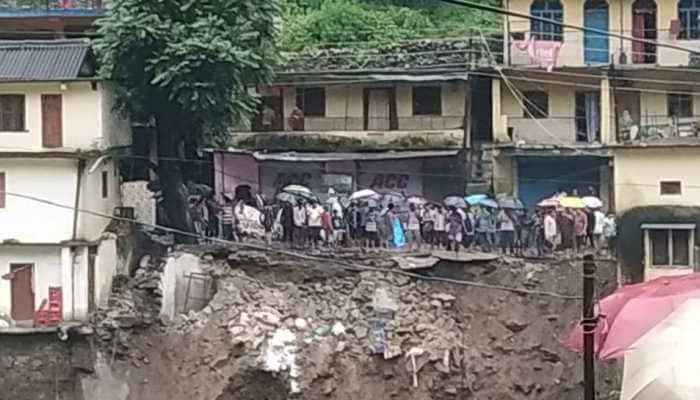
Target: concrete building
575,109
56,125
329,122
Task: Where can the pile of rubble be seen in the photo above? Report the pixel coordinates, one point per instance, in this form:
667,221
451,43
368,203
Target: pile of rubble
415,54
134,305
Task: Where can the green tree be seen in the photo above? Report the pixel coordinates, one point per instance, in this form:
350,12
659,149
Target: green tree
187,67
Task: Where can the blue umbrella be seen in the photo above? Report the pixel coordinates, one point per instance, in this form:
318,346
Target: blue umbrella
491,203
475,198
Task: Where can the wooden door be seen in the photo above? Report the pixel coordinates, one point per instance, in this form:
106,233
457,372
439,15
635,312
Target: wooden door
22,292
52,120
378,110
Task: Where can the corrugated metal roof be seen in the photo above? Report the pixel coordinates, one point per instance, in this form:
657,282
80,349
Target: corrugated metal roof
45,60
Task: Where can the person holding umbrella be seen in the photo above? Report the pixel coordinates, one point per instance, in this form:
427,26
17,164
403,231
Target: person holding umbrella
506,231
455,224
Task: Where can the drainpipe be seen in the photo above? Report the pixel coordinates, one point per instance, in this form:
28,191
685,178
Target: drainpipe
73,251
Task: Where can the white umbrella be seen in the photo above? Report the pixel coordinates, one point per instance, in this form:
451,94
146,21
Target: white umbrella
663,364
364,194
592,202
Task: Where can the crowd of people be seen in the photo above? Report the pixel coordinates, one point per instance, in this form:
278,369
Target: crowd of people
414,225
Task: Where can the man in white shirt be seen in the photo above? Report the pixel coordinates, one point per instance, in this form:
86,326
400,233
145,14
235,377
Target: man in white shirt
314,211
440,226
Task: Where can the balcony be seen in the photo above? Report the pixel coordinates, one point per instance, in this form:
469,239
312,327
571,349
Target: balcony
353,134
659,129
565,130
580,49
52,8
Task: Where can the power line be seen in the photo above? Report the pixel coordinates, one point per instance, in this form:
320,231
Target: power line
343,264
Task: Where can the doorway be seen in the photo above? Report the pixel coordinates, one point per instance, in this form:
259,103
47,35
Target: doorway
596,45
380,109
644,27
587,117
22,288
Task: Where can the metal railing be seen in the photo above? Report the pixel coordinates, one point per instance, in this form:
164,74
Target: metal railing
657,127
320,124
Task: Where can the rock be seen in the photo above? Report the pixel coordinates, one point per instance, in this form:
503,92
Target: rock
549,355
443,297
36,364
436,303
7,362
328,387
361,332
322,330
451,390
301,324
515,325
338,329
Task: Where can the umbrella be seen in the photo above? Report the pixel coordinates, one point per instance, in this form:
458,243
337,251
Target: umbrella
475,198
633,310
663,363
572,202
298,190
490,203
286,197
512,203
417,200
592,202
363,194
454,201
393,197
551,202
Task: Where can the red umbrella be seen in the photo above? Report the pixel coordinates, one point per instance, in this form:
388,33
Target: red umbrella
633,310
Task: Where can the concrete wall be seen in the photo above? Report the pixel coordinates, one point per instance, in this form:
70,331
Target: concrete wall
231,170
47,271
106,264
174,282
639,171
571,53
90,227
88,120
116,130
345,108
30,221
136,194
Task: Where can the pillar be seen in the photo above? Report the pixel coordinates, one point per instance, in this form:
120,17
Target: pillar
607,113
500,133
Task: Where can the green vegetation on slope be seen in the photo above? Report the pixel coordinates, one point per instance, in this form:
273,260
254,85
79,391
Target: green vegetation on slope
348,23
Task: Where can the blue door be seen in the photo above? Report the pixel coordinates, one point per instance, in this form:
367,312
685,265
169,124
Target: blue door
596,45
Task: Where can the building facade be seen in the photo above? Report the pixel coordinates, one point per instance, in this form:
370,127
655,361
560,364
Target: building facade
574,109
57,186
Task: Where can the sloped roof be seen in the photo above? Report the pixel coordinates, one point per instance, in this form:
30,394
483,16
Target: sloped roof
42,60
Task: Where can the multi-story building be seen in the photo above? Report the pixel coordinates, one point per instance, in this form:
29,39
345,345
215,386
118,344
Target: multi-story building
57,180
394,121
575,109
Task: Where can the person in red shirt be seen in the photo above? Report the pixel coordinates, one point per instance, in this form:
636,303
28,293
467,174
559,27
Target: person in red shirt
327,224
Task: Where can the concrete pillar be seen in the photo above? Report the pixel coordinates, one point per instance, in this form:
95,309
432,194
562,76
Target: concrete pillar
607,113
67,282
504,174
289,100
500,133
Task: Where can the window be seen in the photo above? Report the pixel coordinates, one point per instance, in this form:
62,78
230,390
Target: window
688,15
536,104
680,105
427,100
670,187
547,9
105,184
312,101
669,245
2,190
11,112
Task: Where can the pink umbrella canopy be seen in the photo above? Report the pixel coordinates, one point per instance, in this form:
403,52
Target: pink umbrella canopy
633,310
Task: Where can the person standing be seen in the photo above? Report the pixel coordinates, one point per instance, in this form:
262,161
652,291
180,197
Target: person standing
353,223
299,235
440,229
598,222
314,214
227,220
610,233
580,229
327,225
506,231
339,229
490,227
565,227
268,222
287,222
387,226
413,235
371,228
550,231
469,228
455,228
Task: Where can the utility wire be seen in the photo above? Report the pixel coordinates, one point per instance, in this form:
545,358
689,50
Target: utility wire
343,264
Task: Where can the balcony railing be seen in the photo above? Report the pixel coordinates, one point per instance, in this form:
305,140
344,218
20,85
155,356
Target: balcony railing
579,49
38,8
659,127
321,124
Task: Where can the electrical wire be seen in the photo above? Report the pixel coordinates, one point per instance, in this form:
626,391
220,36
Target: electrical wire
345,265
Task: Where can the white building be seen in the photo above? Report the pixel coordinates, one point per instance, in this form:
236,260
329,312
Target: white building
57,128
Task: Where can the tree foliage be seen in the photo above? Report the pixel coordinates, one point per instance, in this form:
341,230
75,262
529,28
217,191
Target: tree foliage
187,67
346,23
190,60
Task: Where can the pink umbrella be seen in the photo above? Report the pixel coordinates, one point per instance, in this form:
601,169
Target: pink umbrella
633,310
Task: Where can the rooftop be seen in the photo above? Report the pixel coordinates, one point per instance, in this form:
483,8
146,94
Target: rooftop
51,8
45,60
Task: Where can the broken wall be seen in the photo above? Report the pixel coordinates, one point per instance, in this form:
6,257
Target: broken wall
175,281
